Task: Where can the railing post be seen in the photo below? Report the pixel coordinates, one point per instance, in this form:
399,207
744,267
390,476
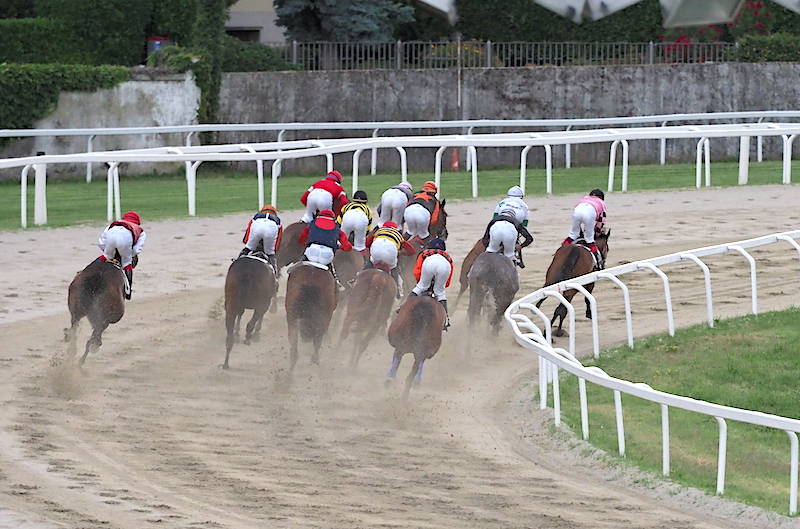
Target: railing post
787,158
356,156
584,408
792,472
474,151
665,439
117,205
626,298
753,283
437,166
23,196
294,52
662,153
373,168
110,191
722,454
89,148
707,280
593,311
760,145
568,151
651,53
620,423
667,296
488,53
398,54
403,164
191,188
275,171
744,159
40,193
548,168
523,165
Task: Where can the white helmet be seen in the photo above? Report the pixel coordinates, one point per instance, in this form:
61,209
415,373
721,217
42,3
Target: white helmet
515,191
405,185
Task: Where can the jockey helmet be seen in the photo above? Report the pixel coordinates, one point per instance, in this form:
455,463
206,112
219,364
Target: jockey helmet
269,208
405,185
336,175
326,213
515,191
132,216
360,196
437,244
430,187
389,224
597,193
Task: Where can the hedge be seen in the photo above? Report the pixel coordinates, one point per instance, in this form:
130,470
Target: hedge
29,92
778,47
239,56
39,40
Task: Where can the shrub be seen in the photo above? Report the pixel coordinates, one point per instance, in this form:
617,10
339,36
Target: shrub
38,40
778,47
173,19
30,91
238,56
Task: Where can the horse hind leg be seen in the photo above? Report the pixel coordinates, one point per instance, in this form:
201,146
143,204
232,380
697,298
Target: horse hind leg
560,313
230,326
293,337
94,342
390,375
251,330
416,371
71,337
317,340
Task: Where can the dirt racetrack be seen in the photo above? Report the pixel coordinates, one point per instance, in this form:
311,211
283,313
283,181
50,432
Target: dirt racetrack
151,432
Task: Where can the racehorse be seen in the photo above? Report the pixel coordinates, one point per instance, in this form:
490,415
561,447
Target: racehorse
463,277
438,227
310,302
347,264
250,284
496,274
416,329
368,307
97,293
569,262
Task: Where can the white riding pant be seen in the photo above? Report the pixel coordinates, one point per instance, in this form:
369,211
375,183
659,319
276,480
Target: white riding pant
436,270
504,234
583,217
263,230
119,239
383,251
418,220
355,221
316,253
393,205
318,199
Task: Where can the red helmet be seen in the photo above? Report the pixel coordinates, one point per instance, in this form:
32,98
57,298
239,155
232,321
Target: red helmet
327,214
336,175
132,216
389,224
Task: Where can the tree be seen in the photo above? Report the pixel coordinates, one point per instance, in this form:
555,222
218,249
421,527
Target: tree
342,20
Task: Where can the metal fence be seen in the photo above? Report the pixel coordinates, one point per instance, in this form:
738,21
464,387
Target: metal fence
473,54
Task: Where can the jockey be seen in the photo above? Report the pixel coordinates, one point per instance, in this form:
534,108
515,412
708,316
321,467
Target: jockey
514,201
393,203
423,210
589,217
384,245
503,230
434,267
356,218
327,193
264,229
127,237
322,238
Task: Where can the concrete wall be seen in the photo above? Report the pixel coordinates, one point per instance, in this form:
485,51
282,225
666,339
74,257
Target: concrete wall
149,99
540,92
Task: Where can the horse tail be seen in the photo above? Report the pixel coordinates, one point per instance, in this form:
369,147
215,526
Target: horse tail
567,270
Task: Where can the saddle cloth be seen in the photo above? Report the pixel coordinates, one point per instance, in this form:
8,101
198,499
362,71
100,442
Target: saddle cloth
304,263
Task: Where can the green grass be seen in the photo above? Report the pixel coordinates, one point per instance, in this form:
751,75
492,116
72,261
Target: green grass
219,192
749,362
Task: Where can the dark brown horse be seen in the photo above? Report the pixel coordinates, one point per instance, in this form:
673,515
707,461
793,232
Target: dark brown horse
463,277
97,293
310,302
368,306
250,284
495,274
570,262
290,251
417,330
439,227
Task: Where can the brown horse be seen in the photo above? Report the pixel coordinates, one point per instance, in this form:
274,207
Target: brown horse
97,293
250,284
347,264
439,228
416,329
569,262
368,307
495,274
310,302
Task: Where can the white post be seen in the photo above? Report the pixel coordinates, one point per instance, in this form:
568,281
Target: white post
548,333
667,296
469,161
191,187
373,168
792,473
612,159
753,284
403,164
40,194
593,310
568,151
548,164
23,196
584,408
437,171
620,423
570,316
744,159
723,449
110,191
89,148
274,173
259,173
277,168
787,158
791,241
707,279
662,156
707,149
665,439
698,167
356,156
117,205
188,141
471,149
523,162
760,145
556,396
624,165
626,297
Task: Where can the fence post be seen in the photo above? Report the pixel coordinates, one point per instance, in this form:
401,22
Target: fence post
488,53
722,454
294,52
793,473
620,423
651,53
744,159
40,193
398,55
89,148
665,439
23,196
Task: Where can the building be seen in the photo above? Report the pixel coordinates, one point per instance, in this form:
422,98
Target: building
254,20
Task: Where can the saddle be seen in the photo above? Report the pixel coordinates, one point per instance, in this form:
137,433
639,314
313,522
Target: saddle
305,263
599,264
258,256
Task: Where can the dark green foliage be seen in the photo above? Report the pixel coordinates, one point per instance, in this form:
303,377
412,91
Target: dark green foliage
112,31
209,29
173,19
39,40
30,91
522,20
778,47
17,9
342,20
238,56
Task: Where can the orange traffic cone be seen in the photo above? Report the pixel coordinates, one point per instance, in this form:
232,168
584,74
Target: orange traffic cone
454,159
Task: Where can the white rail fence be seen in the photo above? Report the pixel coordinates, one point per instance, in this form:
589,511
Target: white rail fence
522,314
376,126
193,156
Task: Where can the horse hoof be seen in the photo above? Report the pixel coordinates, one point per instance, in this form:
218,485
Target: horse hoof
560,333
388,382
225,367
588,315
246,341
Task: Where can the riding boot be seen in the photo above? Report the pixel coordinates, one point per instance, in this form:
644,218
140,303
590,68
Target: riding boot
129,275
446,315
339,285
567,241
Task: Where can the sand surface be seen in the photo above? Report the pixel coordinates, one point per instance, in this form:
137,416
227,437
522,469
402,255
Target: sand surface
151,432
